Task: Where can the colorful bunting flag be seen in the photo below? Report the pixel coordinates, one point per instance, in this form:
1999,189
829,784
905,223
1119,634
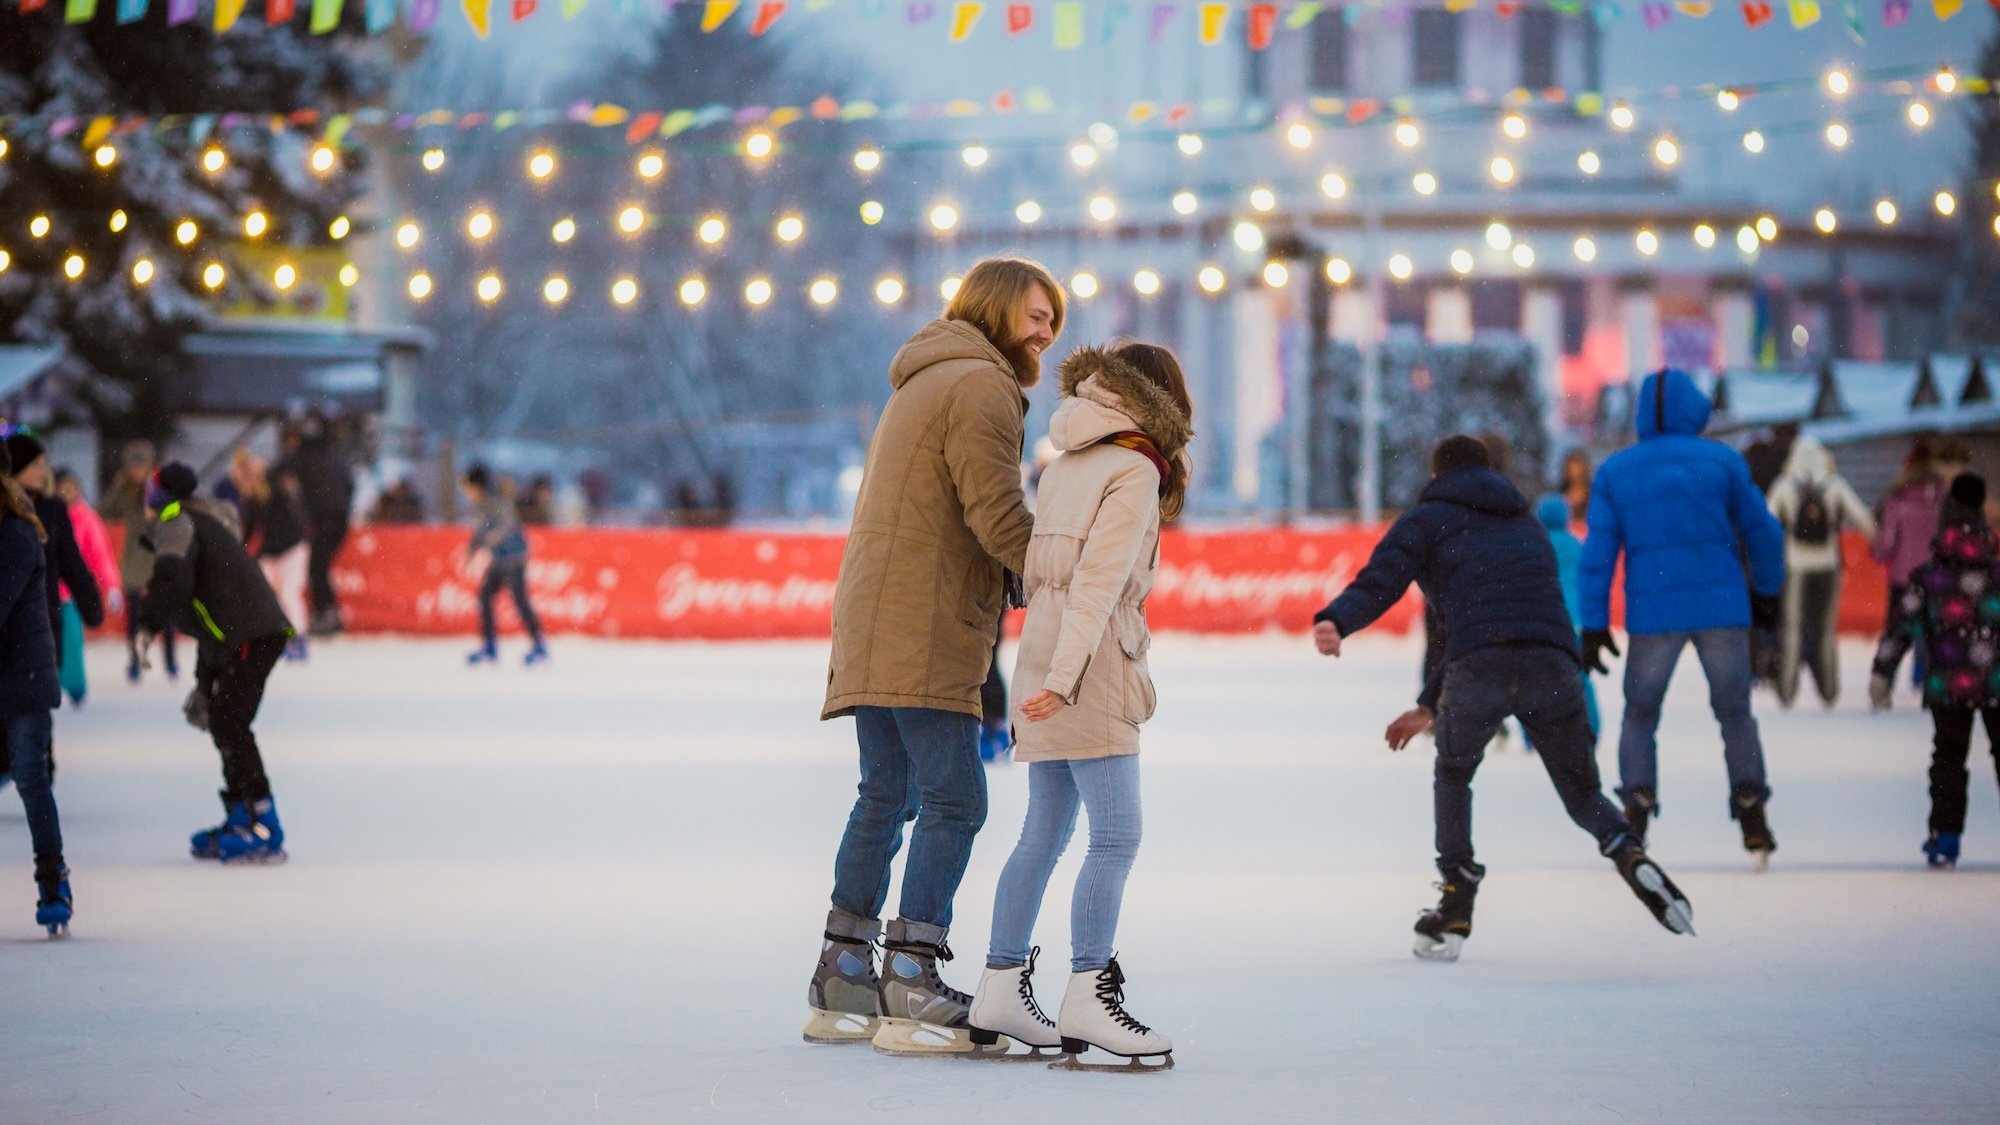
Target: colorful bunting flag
716,14
767,14
28,6
1805,13
1460,5
380,15
523,9
1695,9
423,13
1115,14
965,17
1214,19
325,16
1946,9
280,11
1655,15
1895,12
1163,17
1850,14
79,11
1262,22
1020,17
131,11
920,11
570,8
479,14
227,12
1756,13
1303,13
1069,25
1508,9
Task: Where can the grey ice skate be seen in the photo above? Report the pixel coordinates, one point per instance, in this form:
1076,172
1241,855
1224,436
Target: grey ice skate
844,995
921,1014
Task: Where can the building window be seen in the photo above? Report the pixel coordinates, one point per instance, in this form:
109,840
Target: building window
1434,39
1496,305
1538,48
1409,305
1329,53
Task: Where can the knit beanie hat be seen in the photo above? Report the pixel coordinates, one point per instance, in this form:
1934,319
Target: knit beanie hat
172,482
1965,503
23,450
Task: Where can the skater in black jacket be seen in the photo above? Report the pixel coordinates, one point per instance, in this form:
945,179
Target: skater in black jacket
1485,564
207,583
29,691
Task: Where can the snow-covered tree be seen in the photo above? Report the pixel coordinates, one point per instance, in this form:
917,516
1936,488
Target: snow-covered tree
107,126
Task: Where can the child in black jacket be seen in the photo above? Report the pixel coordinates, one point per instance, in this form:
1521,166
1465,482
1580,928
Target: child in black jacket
1485,564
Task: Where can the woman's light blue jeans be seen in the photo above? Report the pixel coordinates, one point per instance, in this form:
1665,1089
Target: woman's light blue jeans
1109,789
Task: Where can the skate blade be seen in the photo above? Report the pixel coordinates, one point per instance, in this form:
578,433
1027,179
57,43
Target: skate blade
999,1053
1760,860
1133,1064
1673,911
272,859
839,1027
913,1039
58,930
1446,948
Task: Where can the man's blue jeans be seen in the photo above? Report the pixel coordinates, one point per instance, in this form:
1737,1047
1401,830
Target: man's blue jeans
1649,668
921,764
28,738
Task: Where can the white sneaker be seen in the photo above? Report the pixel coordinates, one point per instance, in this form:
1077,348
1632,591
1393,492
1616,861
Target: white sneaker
1005,1005
1093,1015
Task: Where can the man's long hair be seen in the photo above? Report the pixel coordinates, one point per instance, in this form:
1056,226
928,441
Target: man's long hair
990,299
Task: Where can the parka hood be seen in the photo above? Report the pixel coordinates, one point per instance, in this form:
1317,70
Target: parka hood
1670,403
941,341
1553,511
1482,490
1104,395
1808,460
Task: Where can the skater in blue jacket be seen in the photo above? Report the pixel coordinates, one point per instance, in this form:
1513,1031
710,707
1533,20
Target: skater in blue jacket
1683,512
499,544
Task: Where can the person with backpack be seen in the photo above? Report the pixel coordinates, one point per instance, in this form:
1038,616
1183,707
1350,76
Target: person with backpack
1814,504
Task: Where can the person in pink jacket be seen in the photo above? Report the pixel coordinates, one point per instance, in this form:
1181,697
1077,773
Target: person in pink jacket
94,545
1902,543
1083,688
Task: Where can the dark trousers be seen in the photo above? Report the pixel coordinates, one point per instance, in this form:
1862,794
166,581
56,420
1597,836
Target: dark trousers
1811,604
27,738
135,612
1896,640
993,693
235,678
1538,685
514,578
1951,745
324,545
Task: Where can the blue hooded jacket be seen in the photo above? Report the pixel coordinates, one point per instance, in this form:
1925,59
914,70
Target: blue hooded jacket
1682,509
1553,511
1481,560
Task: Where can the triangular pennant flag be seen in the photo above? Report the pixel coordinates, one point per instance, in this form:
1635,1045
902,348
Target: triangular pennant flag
1020,17
965,17
380,15
131,11
1607,14
423,13
767,14
523,9
1460,5
1895,12
1805,13
1069,26
181,11
100,128
1303,14
325,16
227,12
277,12
716,14
1263,21
1756,13
1695,9
479,13
1115,14
1214,19
1508,9
28,6
920,11
1850,14
1163,15
570,8
643,126
1655,15
79,11
1946,9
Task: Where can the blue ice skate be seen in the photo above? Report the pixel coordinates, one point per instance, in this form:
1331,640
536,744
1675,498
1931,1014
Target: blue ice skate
537,655
1941,850
52,905
207,843
485,654
262,840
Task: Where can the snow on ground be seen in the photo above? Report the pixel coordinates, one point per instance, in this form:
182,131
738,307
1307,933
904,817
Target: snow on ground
595,891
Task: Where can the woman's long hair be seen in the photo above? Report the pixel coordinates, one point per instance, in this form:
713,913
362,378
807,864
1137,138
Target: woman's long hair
1163,369
15,502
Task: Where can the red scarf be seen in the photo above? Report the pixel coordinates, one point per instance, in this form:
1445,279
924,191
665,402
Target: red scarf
1140,443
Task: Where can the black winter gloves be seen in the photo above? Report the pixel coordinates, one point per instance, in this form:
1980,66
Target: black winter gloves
1765,610
1597,642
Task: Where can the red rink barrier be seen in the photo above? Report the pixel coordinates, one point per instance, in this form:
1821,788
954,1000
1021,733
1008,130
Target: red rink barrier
735,585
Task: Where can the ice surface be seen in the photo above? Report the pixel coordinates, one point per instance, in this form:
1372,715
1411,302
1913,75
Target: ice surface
594,891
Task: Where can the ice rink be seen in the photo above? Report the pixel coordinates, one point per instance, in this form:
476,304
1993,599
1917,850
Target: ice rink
595,891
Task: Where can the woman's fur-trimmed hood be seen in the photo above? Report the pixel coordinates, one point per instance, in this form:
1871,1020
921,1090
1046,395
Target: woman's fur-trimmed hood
1104,395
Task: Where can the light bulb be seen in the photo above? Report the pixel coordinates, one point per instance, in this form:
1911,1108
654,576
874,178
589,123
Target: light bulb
823,291
1524,255
1498,236
1028,212
711,231
555,290
323,159
1461,261
408,234
1826,220
1945,202
1084,285
564,230
420,286
142,271
1584,249
186,232
759,145
1277,275
1424,183
1885,212
479,225
1588,163
106,156
1146,282
1767,228
889,290
1728,100
1401,267
1836,135
1622,116
489,287
948,288
1667,151
256,223
1753,142
944,217
867,159
1647,242
1407,133
213,275
1338,271
1919,115
791,228
1501,169
542,165
1248,236
284,277
39,226
1082,155
350,275
624,291
651,166
1704,236
693,291
1945,81
214,160
1333,185
1514,125
118,220
1186,203
1190,144
1263,199
338,228
1838,83
1746,240
1299,135
871,212
1103,208
1211,279
433,159
757,292
631,219
975,156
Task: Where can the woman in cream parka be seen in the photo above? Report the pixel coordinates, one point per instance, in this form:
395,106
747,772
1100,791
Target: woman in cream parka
1122,430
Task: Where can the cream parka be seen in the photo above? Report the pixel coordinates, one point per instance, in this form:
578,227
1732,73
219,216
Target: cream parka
1092,562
